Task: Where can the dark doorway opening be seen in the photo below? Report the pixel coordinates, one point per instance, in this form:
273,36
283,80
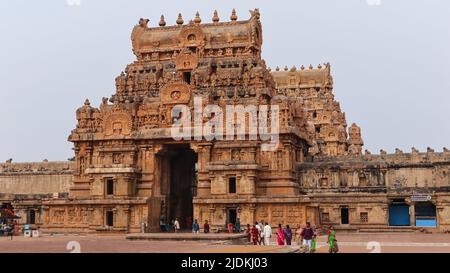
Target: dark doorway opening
232,216
187,77
182,184
109,218
344,216
399,213
31,217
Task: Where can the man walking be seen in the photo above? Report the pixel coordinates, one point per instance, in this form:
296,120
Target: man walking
196,227
267,234
307,235
206,227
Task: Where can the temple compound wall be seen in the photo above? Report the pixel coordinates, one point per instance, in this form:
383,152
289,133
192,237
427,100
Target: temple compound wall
400,189
25,186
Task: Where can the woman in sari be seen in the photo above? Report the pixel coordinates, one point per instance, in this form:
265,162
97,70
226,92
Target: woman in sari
255,234
314,243
331,239
248,232
288,235
280,235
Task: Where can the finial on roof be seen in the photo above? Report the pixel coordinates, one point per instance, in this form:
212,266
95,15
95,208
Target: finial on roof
319,66
233,16
180,20
162,22
269,69
310,66
87,103
215,17
197,19
143,22
277,68
286,68
293,69
302,67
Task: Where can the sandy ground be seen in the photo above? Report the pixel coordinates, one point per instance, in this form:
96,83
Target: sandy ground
361,243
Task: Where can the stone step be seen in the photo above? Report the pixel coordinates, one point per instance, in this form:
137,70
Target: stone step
387,229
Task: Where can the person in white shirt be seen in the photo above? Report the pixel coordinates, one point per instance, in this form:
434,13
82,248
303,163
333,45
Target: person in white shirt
176,225
261,232
267,234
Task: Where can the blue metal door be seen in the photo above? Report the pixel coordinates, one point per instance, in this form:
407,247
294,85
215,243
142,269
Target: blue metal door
399,215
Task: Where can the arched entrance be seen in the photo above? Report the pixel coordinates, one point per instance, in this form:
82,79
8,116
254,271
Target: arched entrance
179,183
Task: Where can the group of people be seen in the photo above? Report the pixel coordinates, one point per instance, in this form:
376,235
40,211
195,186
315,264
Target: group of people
196,227
7,229
175,226
260,234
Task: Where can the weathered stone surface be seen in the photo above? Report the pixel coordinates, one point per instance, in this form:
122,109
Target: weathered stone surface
130,173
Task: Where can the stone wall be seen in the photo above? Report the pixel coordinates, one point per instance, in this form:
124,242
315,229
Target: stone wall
366,185
36,178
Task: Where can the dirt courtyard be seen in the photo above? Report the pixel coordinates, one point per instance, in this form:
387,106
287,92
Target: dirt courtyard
348,243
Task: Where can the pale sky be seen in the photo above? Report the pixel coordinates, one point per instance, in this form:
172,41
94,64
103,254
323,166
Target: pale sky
390,61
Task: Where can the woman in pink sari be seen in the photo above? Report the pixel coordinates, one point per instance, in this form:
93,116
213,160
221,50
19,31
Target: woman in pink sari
280,235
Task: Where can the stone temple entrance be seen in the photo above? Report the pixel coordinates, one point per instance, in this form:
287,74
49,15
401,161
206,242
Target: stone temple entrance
179,171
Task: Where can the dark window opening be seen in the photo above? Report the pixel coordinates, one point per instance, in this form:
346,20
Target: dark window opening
232,184
187,77
109,186
317,129
213,69
314,114
32,217
344,216
109,218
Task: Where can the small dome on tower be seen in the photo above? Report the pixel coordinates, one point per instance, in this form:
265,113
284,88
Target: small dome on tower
215,17
233,16
162,22
180,20
197,19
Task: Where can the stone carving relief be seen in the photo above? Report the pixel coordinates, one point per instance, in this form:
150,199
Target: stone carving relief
118,122
175,93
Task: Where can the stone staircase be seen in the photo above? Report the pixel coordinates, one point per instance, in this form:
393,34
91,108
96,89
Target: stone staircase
387,229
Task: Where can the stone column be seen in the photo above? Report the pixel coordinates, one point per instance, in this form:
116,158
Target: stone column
412,214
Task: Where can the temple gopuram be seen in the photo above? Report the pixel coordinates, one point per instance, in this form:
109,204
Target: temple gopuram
131,175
